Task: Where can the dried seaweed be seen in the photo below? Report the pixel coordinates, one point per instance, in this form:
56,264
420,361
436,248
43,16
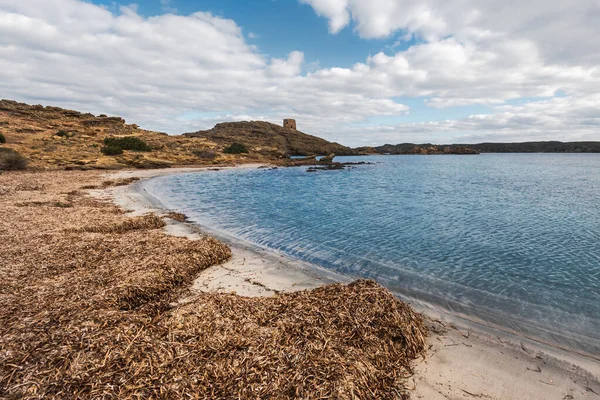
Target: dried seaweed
95,315
119,182
177,216
151,221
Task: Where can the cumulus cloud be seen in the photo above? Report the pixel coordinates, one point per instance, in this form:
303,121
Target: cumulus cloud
154,70
335,10
561,31
287,68
471,52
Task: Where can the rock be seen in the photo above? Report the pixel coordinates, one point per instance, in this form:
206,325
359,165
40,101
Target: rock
296,162
327,160
103,121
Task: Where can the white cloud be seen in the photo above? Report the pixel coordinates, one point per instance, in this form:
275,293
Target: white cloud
479,52
560,30
564,119
287,68
334,10
154,70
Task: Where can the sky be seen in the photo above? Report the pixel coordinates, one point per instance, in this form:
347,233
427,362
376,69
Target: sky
359,72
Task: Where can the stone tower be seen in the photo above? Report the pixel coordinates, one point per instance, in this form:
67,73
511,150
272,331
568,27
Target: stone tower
289,123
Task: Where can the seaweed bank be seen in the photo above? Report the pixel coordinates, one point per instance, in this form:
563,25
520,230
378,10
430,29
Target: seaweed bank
96,303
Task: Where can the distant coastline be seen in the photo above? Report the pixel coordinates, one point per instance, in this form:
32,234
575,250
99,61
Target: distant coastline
518,147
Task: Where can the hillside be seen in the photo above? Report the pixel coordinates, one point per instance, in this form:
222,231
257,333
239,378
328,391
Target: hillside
270,139
56,138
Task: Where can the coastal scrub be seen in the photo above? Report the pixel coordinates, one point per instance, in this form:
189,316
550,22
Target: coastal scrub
127,143
11,160
236,148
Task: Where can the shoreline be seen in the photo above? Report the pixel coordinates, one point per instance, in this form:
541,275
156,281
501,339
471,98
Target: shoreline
458,346
252,271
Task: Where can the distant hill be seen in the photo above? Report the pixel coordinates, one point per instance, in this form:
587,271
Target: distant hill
537,147
411,148
524,147
271,139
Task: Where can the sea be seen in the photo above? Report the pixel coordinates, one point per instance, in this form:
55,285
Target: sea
511,241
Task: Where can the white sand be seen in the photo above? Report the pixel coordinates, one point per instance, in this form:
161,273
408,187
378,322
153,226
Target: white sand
461,363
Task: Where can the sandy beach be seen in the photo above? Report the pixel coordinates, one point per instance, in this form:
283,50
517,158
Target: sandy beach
462,361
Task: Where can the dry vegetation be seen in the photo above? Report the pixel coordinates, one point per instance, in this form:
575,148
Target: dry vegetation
55,138
88,309
179,217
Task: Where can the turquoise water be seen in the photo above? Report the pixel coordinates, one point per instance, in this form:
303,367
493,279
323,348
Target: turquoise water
512,240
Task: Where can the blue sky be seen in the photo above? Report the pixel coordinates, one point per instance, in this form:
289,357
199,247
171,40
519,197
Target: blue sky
281,26
360,72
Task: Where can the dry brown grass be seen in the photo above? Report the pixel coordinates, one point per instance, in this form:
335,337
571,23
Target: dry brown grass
95,315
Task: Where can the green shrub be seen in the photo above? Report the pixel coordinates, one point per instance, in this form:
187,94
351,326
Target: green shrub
204,154
236,148
111,150
10,160
128,143
2,138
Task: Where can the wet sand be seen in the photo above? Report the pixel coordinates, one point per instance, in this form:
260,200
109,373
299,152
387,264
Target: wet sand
462,362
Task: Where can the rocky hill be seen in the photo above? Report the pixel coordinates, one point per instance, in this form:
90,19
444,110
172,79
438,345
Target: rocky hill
271,140
56,138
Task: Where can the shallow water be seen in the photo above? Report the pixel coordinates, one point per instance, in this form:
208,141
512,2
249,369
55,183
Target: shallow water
509,239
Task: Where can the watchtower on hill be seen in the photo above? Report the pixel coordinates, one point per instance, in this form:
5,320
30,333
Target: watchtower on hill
289,123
